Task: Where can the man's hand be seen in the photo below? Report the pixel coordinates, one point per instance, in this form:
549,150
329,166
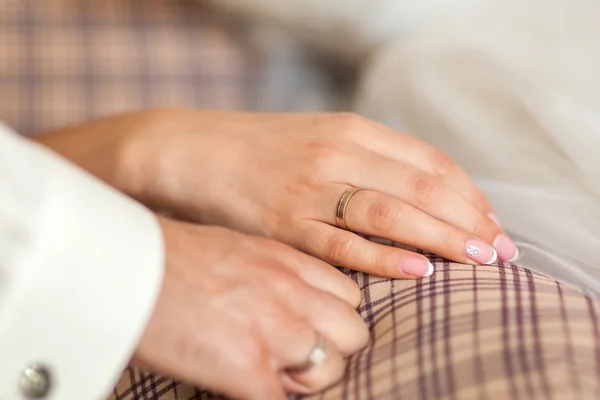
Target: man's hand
237,311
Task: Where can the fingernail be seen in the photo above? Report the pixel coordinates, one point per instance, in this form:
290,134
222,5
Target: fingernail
495,218
480,252
507,251
416,267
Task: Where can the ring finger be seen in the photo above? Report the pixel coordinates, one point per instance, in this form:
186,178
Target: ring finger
291,340
430,195
381,215
327,369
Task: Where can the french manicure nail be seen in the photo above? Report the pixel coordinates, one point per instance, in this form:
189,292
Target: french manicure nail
494,218
480,252
416,267
506,249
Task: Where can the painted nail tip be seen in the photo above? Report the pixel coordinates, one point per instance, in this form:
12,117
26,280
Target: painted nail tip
494,257
515,257
430,269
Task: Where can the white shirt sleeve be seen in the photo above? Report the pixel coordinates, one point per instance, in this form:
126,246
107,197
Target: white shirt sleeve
81,267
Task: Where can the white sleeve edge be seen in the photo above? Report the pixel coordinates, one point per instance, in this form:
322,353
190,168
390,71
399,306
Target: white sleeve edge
91,276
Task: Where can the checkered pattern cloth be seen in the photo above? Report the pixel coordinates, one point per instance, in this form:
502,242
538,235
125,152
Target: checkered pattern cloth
467,332
493,332
65,61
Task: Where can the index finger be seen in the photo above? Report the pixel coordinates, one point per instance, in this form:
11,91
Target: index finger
317,273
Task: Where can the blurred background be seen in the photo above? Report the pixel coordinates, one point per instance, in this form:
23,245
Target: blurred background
66,61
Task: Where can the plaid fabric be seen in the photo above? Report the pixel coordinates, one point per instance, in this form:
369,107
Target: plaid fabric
467,332
493,332
65,61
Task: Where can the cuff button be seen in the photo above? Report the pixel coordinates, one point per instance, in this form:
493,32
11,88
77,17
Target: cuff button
35,382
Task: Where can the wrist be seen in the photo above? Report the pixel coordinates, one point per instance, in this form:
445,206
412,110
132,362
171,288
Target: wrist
157,168
105,153
126,151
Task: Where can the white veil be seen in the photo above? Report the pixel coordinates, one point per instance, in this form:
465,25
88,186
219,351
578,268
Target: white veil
511,90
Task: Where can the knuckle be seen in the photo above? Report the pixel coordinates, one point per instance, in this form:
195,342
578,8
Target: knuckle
351,125
354,293
427,189
276,315
385,215
442,165
301,332
284,282
321,149
338,248
362,336
323,157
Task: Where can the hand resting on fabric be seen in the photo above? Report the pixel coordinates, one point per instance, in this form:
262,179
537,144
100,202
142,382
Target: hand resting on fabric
236,312
282,176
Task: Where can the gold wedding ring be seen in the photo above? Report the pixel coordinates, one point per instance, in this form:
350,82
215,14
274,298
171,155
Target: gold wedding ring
340,215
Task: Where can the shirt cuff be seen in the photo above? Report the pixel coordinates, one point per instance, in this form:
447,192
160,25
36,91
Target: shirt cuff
89,280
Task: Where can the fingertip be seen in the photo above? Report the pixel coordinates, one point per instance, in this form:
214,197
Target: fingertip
350,291
363,340
416,267
355,294
479,252
430,270
330,279
506,249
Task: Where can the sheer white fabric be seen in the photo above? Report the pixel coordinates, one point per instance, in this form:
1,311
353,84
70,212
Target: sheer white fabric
511,90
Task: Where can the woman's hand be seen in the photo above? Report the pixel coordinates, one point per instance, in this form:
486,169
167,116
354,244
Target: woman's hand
282,176
236,312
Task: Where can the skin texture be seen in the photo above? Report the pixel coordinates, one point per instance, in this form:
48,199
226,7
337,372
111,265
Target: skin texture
281,176
237,308
235,311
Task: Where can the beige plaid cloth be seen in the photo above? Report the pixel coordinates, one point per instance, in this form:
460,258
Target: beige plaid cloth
495,332
65,61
